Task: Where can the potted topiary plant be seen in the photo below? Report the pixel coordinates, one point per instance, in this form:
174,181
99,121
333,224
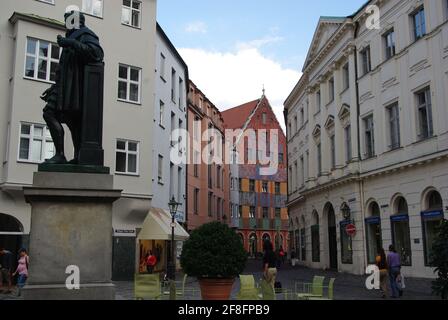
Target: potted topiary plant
215,255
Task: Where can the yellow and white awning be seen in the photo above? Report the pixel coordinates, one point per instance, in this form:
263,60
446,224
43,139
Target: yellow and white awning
157,226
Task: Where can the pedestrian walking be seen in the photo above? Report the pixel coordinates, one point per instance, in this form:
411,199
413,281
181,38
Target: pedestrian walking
282,254
22,270
381,263
151,262
269,263
394,263
5,269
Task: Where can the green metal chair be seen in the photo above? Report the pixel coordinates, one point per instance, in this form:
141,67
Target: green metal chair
182,292
267,291
312,290
147,287
248,290
330,292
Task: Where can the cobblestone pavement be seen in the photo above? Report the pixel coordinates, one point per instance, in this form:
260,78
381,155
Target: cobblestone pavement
347,286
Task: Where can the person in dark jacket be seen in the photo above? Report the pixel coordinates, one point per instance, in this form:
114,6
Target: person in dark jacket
6,266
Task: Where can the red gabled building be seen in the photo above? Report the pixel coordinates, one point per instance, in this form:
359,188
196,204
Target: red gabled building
258,201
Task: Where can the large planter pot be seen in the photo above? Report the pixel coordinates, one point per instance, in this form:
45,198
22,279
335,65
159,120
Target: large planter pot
216,289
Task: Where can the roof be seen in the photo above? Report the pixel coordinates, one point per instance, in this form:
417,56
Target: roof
167,40
37,19
236,118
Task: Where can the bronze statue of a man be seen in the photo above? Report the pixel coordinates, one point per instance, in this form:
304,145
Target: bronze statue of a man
64,99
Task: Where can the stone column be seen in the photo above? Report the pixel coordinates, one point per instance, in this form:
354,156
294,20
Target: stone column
71,225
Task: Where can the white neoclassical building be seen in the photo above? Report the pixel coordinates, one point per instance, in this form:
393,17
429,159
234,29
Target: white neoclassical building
29,55
368,136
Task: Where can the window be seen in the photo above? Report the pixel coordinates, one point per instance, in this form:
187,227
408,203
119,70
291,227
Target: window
366,63
160,169
161,112
129,80
278,213
47,1
290,180
345,76
319,159
419,23
181,93
389,42
281,157
277,188
42,59
331,90
173,85
401,235
424,114
265,213
302,117
348,143
93,7
240,211
210,179
302,172
218,177
35,144
318,101
210,204
196,201
252,212
315,243
265,118
303,243
127,153
251,185
264,187
296,125
333,151
240,184
394,126
131,13
290,130
430,222
296,178
374,239
162,66
180,195
369,137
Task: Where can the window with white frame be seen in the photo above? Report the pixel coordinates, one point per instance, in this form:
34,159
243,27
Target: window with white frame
319,158
127,157
331,90
389,43
264,187
160,169
345,76
181,93
93,7
162,66
333,151
36,144
42,60
318,101
161,113
424,114
419,23
173,85
348,143
369,137
366,63
393,114
129,83
131,13
252,212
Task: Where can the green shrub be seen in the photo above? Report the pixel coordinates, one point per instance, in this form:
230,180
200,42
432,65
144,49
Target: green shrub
213,251
439,260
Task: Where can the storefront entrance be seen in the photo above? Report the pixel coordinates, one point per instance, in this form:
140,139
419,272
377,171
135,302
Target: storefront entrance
332,239
11,234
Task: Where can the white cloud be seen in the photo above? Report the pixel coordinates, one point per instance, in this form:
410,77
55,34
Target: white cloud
258,43
196,27
233,78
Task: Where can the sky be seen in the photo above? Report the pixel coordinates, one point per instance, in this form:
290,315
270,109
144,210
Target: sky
235,47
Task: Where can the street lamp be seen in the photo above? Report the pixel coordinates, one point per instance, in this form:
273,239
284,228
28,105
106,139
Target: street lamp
346,212
171,272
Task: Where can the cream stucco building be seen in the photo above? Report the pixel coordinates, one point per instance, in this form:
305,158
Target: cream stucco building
368,135
127,31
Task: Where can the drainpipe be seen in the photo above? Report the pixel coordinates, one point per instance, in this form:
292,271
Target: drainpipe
360,181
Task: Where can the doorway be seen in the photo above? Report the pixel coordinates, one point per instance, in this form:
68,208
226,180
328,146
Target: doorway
332,239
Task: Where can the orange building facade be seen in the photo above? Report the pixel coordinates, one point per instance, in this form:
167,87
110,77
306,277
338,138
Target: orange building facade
207,184
258,201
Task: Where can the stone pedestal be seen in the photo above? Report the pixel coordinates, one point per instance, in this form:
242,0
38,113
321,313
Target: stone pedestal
71,225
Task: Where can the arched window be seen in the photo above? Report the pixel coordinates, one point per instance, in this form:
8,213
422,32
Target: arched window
401,235
431,218
374,238
315,238
9,224
303,239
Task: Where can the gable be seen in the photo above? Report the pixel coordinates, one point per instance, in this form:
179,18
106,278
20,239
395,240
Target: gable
326,28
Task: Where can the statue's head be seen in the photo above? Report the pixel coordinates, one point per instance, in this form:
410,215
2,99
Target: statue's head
74,18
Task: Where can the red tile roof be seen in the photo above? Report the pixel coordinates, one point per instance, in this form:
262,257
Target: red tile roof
235,118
